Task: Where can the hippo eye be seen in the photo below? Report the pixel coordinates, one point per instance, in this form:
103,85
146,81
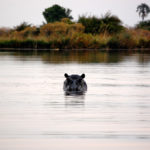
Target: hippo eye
79,80
69,80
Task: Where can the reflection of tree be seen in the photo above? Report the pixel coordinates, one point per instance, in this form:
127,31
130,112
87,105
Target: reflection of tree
144,58
81,57
77,56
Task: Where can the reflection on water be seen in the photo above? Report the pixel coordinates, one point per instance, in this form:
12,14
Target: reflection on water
115,109
74,100
79,56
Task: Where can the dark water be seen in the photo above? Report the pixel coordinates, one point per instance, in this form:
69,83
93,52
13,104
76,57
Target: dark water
113,114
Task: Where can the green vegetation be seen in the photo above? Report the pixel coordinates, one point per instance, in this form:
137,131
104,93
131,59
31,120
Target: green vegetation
22,26
56,13
143,25
60,35
106,24
106,32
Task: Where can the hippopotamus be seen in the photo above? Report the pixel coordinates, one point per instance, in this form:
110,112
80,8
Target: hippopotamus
74,84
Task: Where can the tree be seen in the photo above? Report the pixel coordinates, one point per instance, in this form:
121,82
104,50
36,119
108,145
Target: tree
56,13
143,10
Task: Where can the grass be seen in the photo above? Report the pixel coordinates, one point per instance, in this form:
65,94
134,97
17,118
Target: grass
69,35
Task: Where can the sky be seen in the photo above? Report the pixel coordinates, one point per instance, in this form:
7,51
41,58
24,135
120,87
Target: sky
14,12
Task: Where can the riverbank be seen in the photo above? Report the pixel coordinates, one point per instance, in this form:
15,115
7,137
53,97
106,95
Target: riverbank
111,45
60,35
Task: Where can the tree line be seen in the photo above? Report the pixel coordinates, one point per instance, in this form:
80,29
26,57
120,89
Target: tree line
95,25
89,32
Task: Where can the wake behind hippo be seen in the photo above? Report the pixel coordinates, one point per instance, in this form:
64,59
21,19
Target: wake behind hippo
74,84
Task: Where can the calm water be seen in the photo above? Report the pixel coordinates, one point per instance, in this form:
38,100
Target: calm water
36,115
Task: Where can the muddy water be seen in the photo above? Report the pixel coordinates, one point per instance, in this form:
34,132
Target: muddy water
36,114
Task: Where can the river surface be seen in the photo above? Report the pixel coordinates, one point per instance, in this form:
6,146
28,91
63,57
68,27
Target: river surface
35,114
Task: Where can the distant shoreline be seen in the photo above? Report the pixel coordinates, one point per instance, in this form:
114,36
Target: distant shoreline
82,49
63,36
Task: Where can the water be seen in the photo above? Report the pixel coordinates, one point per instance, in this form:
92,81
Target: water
35,114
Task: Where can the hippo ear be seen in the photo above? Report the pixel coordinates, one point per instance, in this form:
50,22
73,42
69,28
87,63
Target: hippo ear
66,75
83,76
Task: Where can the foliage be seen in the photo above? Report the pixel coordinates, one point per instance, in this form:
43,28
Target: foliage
144,25
66,35
60,28
56,13
4,31
28,32
106,24
66,20
144,43
27,44
91,24
143,10
110,24
22,26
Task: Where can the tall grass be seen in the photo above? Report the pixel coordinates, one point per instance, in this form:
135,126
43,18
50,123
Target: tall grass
61,28
69,35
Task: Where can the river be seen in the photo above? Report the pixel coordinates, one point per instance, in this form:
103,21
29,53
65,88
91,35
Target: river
35,114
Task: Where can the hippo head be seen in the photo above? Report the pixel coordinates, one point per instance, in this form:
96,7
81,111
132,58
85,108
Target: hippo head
75,83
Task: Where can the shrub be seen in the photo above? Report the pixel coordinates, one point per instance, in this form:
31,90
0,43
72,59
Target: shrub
60,28
4,32
66,20
54,28
106,24
138,33
22,26
29,31
110,24
143,25
144,43
91,24
123,40
113,43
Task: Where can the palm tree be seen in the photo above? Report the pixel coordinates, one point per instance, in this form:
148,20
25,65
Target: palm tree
143,10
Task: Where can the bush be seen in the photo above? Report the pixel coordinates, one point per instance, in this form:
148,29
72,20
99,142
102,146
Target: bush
123,40
143,25
66,20
60,28
107,24
110,24
29,32
4,32
91,24
144,43
22,26
113,43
